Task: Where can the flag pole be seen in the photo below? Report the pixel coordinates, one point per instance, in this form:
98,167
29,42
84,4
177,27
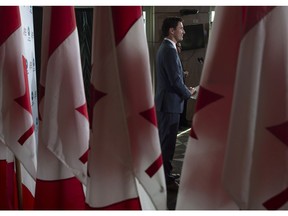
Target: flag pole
19,184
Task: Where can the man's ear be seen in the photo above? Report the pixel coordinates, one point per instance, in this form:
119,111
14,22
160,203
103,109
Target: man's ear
171,31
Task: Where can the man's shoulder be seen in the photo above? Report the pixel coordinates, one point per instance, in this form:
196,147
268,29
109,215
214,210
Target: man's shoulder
166,45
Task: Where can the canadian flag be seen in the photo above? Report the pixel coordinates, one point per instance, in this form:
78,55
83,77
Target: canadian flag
64,125
236,156
16,121
125,163
257,144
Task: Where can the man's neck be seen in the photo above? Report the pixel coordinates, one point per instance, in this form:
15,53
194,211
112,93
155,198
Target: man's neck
171,38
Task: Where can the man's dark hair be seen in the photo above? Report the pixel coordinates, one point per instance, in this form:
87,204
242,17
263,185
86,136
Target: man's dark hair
170,22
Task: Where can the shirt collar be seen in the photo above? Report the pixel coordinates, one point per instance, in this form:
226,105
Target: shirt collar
174,44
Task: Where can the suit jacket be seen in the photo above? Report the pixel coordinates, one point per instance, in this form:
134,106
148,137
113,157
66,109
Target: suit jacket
170,88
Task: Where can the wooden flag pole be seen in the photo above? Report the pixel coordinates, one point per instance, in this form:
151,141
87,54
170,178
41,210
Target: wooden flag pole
19,184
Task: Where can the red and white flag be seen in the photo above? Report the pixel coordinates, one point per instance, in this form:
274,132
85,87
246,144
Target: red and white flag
16,121
16,114
125,163
64,125
258,133
237,151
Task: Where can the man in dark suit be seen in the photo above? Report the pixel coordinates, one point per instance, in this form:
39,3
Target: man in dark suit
170,93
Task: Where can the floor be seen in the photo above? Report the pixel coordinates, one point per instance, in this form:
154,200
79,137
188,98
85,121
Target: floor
181,144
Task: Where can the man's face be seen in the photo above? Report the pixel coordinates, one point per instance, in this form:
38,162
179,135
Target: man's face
179,32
